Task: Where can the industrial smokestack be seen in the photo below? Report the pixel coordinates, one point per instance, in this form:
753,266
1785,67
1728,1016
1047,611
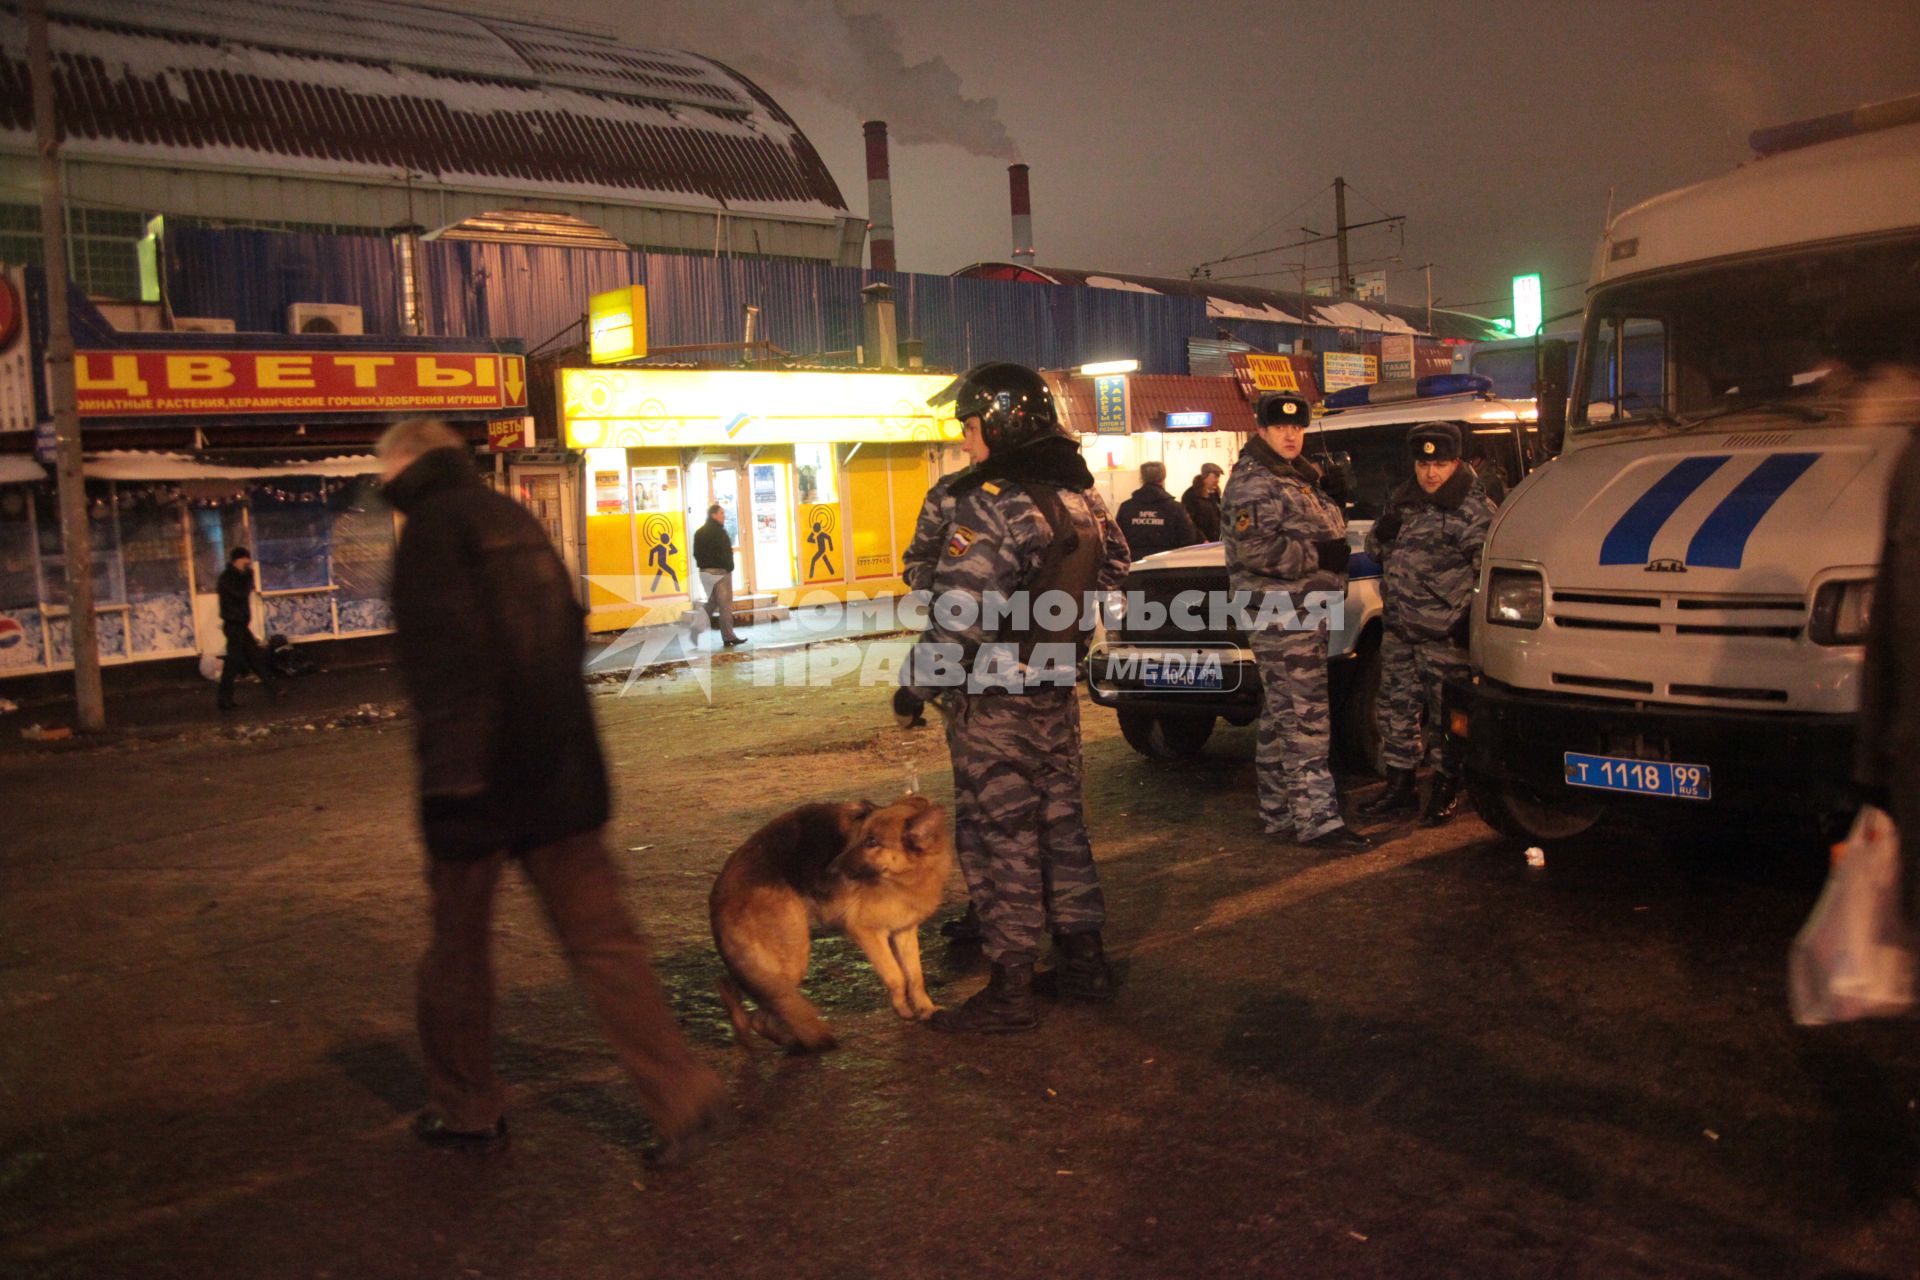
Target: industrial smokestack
879,197
1022,214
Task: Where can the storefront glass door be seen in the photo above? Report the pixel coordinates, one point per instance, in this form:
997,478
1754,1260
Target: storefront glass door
772,526
544,492
709,482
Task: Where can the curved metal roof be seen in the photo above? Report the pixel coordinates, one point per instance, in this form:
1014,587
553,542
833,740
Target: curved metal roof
380,89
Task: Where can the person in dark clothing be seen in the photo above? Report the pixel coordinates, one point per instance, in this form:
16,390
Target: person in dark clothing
236,623
1202,501
491,643
1887,755
1151,519
713,558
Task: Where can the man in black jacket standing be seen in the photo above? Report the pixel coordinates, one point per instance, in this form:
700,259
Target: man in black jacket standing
491,645
1202,501
1151,519
713,557
236,623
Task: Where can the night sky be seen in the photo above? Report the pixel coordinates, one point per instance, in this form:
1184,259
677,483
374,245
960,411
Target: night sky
1162,135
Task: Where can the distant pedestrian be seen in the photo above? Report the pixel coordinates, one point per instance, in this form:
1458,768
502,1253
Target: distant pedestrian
1202,501
236,624
1428,543
1887,760
1285,536
1026,523
491,647
713,556
1151,519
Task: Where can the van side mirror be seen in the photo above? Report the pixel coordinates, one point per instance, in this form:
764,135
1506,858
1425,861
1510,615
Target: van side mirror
1550,390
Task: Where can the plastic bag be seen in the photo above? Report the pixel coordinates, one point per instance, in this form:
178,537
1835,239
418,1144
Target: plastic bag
1854,958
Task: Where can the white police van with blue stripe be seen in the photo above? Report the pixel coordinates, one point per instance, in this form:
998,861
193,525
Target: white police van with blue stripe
1671,613
1173,674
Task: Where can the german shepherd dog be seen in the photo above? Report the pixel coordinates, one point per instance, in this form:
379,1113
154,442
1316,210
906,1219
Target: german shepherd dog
872,872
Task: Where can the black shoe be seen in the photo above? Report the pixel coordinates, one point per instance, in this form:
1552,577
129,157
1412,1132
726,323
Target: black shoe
1400,796
1443,800
716,1123
1342,839
736,642
433,1130
965,928
1004,1005
1081,972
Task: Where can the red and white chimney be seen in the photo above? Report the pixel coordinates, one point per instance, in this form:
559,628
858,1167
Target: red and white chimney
879,198
1022,214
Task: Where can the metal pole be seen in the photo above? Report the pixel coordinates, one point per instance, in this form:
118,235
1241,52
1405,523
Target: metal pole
76,536
1429,270
1340,233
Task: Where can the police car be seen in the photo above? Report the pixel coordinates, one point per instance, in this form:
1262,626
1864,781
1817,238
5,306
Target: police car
1671,614
1173,664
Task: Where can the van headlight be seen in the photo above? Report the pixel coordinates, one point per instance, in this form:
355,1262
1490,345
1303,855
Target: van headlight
1842,612
1516,598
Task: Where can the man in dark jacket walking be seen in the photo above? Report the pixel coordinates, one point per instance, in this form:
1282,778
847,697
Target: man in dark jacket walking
1202,501
491,646
236,624
713,558
1151,519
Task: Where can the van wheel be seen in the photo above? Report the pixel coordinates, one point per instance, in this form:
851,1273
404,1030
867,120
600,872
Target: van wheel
1165,737
1358,732
1515,811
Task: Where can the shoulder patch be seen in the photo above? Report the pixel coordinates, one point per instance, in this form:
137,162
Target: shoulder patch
990,487
1242,520
961,539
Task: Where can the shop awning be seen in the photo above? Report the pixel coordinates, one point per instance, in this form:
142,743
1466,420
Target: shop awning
128,464
19,469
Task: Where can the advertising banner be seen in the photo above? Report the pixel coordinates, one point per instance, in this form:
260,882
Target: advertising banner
140,384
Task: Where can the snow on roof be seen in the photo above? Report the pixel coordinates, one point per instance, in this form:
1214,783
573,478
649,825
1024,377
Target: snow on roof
1352,315
1111,282
377,89
1227,309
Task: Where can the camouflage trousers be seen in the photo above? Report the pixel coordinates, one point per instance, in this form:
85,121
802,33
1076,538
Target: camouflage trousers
1296,727
1018,824
1412,675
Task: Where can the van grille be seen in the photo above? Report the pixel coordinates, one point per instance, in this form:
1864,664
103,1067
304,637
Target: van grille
1749,617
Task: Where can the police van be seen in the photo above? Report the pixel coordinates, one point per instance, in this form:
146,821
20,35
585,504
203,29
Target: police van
1173,665
1671,613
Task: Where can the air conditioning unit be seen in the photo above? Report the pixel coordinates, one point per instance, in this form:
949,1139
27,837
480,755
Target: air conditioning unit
202,324
324,317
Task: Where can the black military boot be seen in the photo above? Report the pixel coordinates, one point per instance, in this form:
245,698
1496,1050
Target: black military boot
1400,795
1004,1004
964,928
1443,800
1342,839
1080,971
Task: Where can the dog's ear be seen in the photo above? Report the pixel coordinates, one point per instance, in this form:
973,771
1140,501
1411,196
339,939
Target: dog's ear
926,830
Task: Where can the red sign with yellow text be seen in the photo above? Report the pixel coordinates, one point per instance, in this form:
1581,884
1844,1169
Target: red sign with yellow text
140,384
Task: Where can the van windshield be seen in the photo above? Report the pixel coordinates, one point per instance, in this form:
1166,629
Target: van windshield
1672,347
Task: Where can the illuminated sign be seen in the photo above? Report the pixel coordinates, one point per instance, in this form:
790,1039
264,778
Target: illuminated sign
141,384
1272,373
617,325
637,408
1110,366
1110,404
509,433
1347,369
1197,420
1527,309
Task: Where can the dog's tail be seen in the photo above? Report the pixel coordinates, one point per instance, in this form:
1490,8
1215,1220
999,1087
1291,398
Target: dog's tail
736,1012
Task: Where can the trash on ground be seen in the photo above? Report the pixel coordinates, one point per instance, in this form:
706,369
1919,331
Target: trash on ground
638,848
8,705
1536,857
38,733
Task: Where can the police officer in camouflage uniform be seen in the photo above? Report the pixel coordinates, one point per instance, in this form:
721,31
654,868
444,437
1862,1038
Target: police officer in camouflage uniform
1428,543
1026,522
1283,534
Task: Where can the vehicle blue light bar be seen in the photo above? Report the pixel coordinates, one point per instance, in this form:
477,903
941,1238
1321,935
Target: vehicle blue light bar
1434,384
1841,124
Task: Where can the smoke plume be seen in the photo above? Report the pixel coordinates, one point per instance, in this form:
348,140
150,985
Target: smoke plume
853,59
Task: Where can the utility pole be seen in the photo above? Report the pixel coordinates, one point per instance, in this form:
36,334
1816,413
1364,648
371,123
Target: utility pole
76,536
1428,268
1340,233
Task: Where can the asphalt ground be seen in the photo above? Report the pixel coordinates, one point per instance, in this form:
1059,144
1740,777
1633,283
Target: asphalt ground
1430,1060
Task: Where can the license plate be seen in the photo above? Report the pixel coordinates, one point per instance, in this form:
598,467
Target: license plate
1203,670
1641,777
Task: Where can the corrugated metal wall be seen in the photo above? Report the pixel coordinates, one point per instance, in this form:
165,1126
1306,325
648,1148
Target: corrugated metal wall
535,292
251,277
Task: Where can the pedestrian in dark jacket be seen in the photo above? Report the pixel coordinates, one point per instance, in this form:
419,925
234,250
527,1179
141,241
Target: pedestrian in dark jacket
1202,501
1151,519
491,646
1887,763
713,559
236,624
